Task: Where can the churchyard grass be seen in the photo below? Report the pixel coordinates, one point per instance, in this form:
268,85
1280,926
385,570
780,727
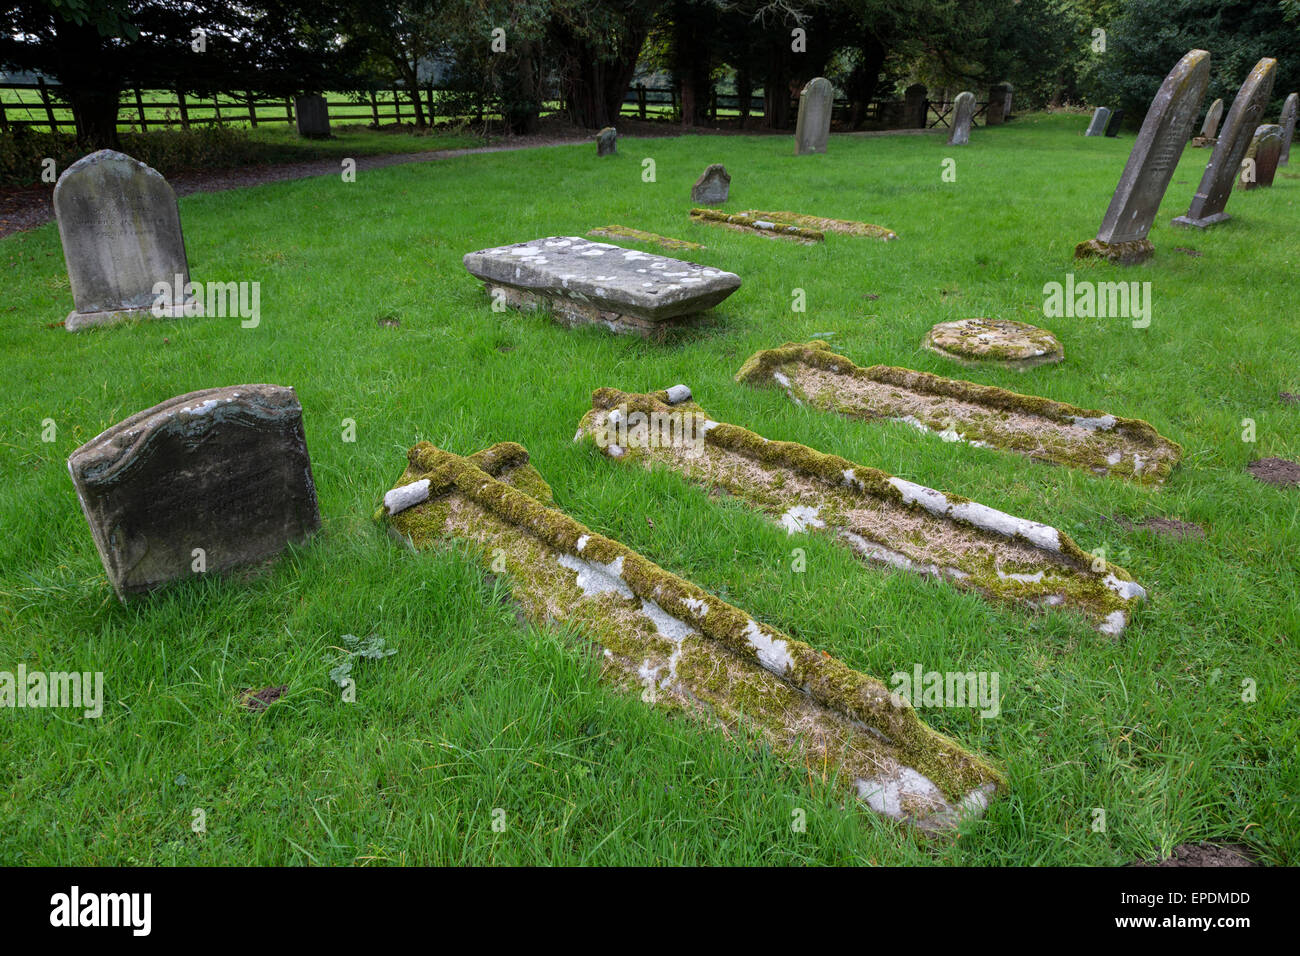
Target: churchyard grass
480,719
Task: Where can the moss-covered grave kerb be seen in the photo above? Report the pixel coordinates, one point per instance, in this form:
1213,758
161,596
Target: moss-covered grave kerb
771,228
959,411
843,227
628,234
684,648
883,519
1002,342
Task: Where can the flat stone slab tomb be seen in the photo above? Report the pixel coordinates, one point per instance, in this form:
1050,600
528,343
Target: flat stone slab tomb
981,415
682,648
883,519
596,283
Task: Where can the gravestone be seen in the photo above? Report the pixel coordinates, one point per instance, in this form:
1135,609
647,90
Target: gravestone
312,114
813,127
1210,128
121,234
1288,127
607,141
1114,123
1260,164
914,106
204,482
1100,117
1225,162
982,341
1006,104
994,115
1123,234
712,187
963,111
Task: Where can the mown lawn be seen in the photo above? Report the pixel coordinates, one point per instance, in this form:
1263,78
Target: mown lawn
477,712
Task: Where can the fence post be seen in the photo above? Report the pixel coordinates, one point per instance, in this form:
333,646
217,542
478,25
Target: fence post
374,108
252,110
4,120
429,98
49,110
397,105
288,110
185,113
139,106
216,109
640,100
713,106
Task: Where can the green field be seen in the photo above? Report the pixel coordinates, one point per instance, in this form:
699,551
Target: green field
478,712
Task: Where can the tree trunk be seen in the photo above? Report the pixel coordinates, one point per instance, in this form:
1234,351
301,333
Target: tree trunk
95,111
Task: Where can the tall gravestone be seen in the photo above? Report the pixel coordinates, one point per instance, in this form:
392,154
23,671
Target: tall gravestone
1288,126
121,234
813,127
1210,128
1259,167
914,98
963,112
1122,237
1006,102
1211,197
203,482
994,115
1114,123
312,115
1100,117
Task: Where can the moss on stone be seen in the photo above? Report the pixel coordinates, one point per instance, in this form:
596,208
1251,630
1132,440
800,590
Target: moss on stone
1131,253
845,227
627,233
778,229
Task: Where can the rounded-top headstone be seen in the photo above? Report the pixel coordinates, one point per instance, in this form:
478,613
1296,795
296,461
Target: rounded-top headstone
981,341
963,113
1288,120
713,186
813,127
606,141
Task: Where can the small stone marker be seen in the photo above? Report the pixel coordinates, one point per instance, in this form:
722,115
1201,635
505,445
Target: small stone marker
1211,197
1288,126
1003,342
1210,128
586,282
203,482
607,141
1260,165
1100,117
1114,123
312,115
713,186
963,111
121,234
1122,237
813,127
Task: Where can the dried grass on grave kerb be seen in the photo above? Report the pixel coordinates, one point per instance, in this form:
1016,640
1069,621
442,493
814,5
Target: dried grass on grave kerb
843,227
627,233
771,229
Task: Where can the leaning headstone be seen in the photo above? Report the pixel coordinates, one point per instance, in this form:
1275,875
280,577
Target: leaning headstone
1238,127
1260,165
1210,128
963,111
914,106
606,141
813,127
1123,234
712,187
204,482
993,116
312,115
1100,117
1114,123
1288,126
121,234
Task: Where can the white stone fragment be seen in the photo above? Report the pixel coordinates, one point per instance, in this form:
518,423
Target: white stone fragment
678,394
800,518
773,653
595,578
407,496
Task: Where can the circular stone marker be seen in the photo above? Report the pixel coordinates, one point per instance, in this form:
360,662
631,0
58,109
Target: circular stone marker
994,342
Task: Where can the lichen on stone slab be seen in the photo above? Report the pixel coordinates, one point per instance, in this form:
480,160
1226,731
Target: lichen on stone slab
771,228
844,227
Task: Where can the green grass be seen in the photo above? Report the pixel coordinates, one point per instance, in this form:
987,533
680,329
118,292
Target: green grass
477,711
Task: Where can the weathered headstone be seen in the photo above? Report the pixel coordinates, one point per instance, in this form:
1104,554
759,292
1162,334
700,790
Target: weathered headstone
1100,117
203,482
1225,162
1260,164
1123,234
963,111
1114,123
606,141
994,115
1210,128
1006,105
1288,126
312,115
813,126
914,106
121,234
712,187
595,283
